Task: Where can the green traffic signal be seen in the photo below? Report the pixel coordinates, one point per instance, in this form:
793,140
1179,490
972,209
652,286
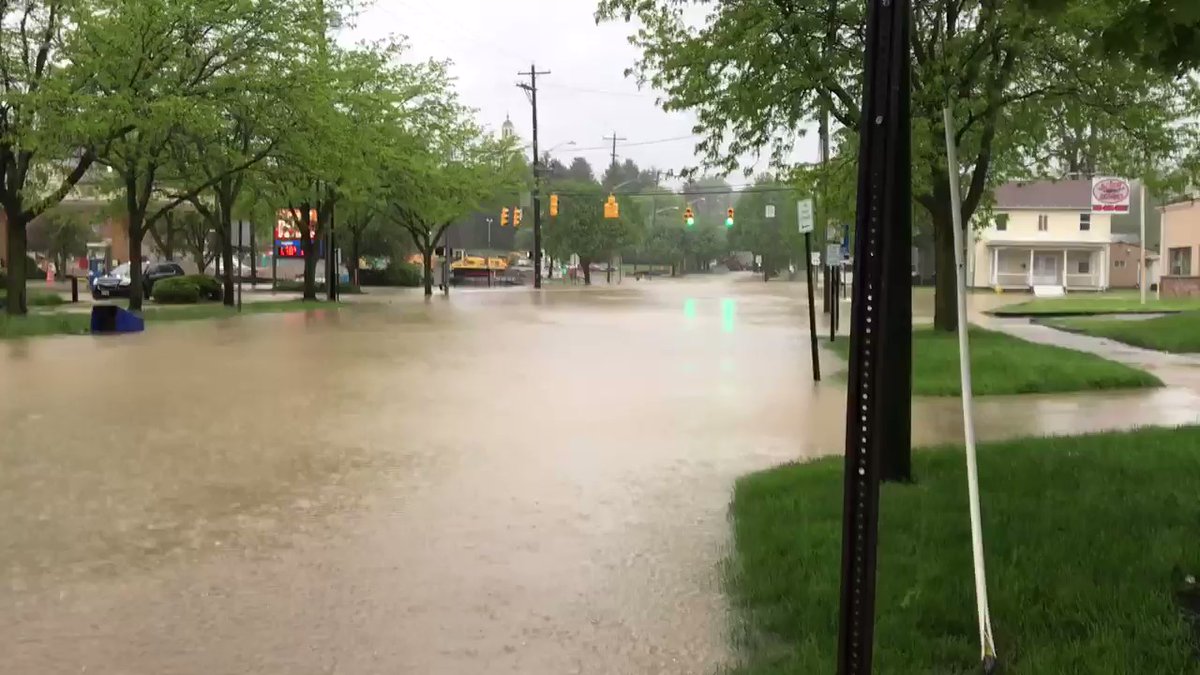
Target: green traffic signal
691,222
729,222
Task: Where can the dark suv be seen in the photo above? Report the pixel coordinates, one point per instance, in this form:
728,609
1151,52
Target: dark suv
116,282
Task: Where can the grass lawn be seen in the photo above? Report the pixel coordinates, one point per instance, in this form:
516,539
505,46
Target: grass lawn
76,323
1178,333
1114,302
1088,540
1002,364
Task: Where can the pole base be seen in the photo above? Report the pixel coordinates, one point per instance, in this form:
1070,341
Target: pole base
990,665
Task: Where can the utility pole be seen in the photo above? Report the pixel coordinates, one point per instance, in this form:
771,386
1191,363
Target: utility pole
614,138
537,179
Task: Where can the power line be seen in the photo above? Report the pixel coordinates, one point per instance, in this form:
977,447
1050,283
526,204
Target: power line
640,143
601,92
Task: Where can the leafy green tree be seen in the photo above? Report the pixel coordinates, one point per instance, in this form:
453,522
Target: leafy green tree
582,229
756,68
445,167
769,236
62,234
49,137
180,81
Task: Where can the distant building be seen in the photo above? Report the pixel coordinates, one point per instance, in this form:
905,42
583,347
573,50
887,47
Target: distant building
1181,248
1043,233
507,130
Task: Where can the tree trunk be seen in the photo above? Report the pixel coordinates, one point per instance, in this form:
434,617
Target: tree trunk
586,265
169,243
310,263
352,265
253,258
227,294
427,258
945,294
17,242
136,234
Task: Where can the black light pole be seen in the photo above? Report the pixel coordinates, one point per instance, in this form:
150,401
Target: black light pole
878,410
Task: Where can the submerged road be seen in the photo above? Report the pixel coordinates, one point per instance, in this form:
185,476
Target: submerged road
501,483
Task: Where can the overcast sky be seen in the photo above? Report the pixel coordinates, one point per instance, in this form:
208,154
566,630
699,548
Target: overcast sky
585,97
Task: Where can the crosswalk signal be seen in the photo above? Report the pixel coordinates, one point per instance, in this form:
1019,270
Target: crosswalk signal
689,217
729,218
504,217
516,217
611,208
553,205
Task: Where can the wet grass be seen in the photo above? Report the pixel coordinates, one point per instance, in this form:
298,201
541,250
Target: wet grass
79,323
1115,302
1089,540
1177,333
1002,364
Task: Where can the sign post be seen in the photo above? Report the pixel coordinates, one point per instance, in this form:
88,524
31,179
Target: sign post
804,215
879,384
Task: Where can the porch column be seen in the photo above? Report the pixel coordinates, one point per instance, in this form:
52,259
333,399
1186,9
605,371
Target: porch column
1030,274
1104,268
1064,271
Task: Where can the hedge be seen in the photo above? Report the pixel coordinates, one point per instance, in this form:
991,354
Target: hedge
176,291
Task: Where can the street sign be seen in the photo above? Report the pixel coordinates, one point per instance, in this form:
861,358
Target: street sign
1110,195
816,260
770,210
833,255
804,213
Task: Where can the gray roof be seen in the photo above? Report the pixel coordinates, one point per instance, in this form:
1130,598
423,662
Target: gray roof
1045,194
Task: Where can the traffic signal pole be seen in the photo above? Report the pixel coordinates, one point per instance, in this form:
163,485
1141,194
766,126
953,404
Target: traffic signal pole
879,389
537,176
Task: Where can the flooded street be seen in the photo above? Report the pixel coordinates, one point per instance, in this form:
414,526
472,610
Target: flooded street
501,483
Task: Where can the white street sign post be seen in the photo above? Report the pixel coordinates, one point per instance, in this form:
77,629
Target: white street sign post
804,214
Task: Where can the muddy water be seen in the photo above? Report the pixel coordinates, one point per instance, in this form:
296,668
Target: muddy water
502,483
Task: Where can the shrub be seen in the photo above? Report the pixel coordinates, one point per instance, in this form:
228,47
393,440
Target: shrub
210,288
177,291
396,274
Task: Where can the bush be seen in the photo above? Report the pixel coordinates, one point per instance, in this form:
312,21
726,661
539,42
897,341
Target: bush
396,274
176,291
210,288
34,299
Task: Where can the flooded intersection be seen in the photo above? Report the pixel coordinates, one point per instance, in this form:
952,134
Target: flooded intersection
501,483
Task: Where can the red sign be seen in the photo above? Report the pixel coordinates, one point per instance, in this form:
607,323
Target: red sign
1110,195
287,224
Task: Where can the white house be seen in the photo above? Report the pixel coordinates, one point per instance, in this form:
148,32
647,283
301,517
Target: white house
1043,233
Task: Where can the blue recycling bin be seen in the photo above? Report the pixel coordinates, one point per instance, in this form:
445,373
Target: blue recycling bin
110,320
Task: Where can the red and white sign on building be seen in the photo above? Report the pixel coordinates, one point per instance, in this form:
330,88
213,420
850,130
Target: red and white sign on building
1110,195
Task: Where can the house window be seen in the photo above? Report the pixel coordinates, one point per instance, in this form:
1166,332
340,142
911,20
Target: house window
1181,261
1085,222
1043,222
1085,267
1119,264
1002,222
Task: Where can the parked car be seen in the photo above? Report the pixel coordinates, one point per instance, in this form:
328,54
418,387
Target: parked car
116,283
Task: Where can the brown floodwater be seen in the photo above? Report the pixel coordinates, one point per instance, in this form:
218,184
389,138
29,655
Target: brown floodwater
504,482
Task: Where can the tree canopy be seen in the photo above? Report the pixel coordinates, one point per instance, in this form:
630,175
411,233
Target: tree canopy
758,74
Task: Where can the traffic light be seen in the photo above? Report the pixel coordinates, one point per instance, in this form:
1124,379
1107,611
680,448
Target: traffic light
689,217
504,217
517,217
553,205
611,208
729,217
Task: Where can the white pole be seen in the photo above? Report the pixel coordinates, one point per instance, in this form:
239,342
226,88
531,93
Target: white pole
986,644
1142,259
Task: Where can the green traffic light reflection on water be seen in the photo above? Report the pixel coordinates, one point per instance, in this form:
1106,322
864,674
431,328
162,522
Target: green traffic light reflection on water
728,313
